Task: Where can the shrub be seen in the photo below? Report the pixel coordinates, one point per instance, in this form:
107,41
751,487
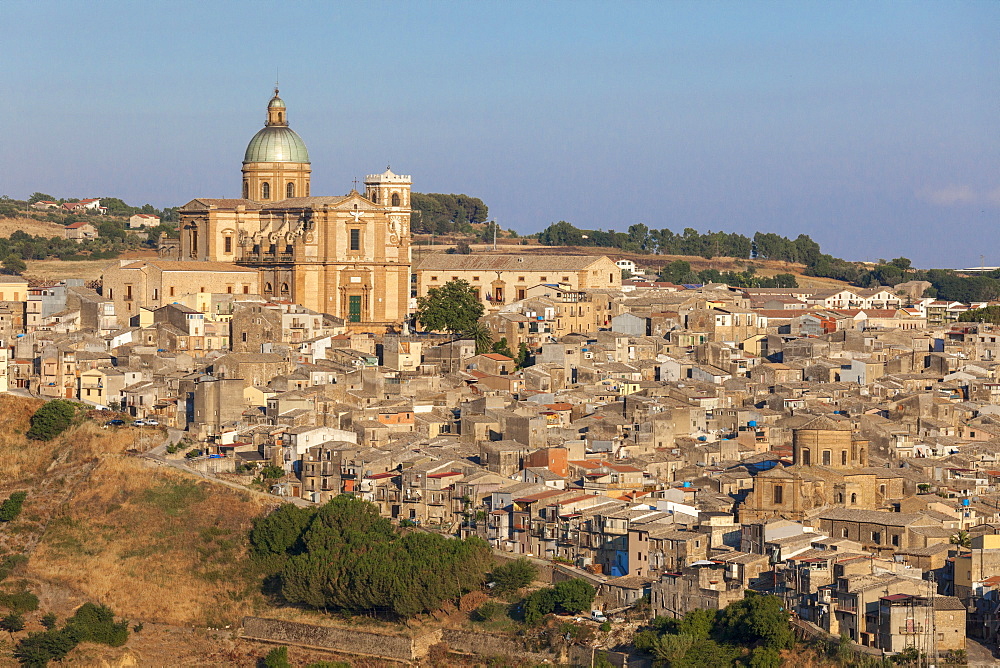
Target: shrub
51,419
36,650
11,508
277,658
514,574
606,626
10,563
490,611
49,620
13,622
19,602
272,472
96,623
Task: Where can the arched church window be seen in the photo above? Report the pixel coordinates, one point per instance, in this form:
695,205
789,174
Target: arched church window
280,117
290,189
284,288
395,199
854,498
246,190
268,289
265,190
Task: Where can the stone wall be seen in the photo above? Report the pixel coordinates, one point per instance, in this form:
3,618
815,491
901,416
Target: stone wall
488,645
347,641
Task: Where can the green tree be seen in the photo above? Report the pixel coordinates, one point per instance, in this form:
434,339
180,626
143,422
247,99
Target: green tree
454,307
12,264
37,197
40,647
49,620
962,539
756,618
514,575
12,623
51,419
574,595
671,648
482,336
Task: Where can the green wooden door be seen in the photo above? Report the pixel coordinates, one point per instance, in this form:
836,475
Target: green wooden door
354,308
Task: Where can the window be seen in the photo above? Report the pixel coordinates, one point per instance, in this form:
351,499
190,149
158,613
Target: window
156,294
434,278
268,289
843,533
854,498
895,540
826,458
355,239
395,199
806,457
246,289
565,278
520,278
171,291
843,457
284,289
246,190
475,278
289,189
877,537
778,492
128,292
227,244
244,337
265,190
544,278
229,289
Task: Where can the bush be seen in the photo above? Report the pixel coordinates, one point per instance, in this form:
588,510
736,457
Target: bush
513,575
490,611
40,647
49,620
96,623
271,472
11,508
10,563
51,419
571,596
277,658
12,623
19,602
606,626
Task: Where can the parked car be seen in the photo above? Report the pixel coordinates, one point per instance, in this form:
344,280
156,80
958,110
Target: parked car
152,423
114,423
139,423
598,616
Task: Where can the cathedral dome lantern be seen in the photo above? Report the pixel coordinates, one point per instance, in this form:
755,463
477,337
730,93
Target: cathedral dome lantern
276,163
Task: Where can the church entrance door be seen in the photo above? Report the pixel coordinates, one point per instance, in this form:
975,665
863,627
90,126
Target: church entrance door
354,308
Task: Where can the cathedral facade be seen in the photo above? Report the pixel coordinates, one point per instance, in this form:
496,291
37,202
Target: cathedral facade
348,255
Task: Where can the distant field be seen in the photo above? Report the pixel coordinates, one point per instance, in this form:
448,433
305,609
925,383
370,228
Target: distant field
47,270
31,226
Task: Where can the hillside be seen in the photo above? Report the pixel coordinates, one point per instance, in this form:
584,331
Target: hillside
157,545
39,228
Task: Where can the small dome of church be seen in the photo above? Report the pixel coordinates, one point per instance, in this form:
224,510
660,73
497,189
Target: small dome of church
276,102
276,143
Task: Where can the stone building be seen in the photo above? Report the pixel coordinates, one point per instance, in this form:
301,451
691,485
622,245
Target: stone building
502,279
344,255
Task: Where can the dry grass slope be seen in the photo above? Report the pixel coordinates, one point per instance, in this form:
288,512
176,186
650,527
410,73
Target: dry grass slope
155,544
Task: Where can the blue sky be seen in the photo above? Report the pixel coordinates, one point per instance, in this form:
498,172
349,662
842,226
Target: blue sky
870,126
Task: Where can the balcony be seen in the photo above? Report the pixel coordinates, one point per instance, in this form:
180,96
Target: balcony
267,258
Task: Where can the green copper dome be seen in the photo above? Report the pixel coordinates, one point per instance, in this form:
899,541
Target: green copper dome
276,143
276,102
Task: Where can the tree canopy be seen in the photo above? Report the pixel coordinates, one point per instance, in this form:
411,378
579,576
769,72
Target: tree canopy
437,213
454,307
345,556
51,419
